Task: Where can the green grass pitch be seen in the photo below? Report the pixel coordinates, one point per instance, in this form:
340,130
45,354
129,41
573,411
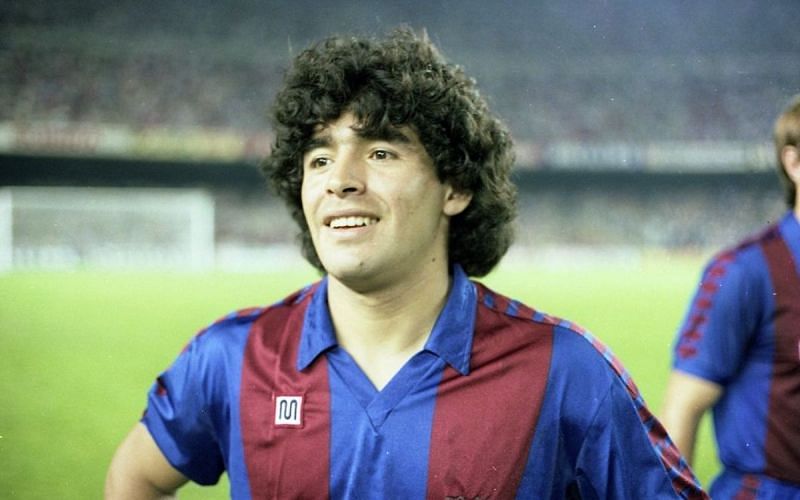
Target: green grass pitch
80,350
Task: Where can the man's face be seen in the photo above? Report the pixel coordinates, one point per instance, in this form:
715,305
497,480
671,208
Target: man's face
790,161
375,208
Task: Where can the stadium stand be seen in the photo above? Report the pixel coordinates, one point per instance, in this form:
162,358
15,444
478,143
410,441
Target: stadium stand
607,89
92,62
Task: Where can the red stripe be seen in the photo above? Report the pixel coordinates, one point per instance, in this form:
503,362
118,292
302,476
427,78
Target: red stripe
500,302
718,271
491,409
284,462
709,287
524,311
782,446
694,328
749,488
693,334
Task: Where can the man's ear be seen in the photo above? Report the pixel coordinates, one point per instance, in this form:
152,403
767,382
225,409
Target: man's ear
455,202
790,158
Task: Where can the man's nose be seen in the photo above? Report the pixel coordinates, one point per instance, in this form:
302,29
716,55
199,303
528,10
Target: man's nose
347,176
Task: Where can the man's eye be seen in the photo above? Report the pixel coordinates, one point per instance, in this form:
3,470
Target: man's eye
319,162
382,154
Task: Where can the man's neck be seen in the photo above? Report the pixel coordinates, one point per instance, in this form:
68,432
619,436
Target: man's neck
381,330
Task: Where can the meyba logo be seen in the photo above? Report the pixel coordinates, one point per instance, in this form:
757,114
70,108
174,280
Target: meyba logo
289,411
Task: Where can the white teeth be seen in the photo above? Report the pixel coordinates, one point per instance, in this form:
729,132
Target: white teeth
358,221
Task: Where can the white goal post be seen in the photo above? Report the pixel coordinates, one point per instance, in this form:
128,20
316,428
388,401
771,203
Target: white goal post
79,227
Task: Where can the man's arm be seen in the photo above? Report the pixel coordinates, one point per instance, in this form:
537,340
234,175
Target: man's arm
139,470
686,400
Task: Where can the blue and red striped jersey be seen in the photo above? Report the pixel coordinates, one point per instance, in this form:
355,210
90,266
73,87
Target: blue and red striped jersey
502,402
742,331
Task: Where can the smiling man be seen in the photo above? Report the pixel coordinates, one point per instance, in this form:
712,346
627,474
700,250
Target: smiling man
395,375
376,211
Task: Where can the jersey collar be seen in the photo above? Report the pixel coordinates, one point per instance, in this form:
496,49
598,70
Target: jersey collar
318,334
451,338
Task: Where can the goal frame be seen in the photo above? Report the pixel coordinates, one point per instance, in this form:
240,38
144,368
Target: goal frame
192,248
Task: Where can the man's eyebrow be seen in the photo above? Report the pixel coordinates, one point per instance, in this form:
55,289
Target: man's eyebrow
388,134
317,141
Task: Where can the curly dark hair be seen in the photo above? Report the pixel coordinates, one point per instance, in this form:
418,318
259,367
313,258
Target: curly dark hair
401,80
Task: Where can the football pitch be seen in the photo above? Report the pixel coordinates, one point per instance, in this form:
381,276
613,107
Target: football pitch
80,350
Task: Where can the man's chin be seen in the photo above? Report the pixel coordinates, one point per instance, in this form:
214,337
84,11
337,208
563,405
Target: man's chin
345,270
357,276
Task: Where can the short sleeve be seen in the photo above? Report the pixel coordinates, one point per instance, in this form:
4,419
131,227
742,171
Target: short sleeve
623,456
178,416
722,318
610,444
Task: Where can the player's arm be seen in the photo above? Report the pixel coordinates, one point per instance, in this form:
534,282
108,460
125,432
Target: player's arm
686,400
140,471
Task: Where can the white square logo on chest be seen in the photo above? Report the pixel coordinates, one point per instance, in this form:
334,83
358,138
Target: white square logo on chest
289,411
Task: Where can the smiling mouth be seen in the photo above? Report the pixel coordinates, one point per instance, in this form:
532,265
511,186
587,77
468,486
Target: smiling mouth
350,222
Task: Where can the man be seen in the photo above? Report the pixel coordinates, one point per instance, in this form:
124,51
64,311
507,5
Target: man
396,376
738,350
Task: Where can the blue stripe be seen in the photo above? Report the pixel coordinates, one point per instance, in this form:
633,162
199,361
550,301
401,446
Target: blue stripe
513,308
488,300
175,419
373,432
237,468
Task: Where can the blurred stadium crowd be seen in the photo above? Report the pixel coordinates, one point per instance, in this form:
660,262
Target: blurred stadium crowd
608,73
598,101
165,64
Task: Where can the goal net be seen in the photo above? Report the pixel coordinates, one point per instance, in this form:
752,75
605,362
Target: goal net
73,227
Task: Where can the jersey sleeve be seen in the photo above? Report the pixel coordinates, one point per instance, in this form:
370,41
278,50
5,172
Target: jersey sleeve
721,319
624,456
179,415
612,445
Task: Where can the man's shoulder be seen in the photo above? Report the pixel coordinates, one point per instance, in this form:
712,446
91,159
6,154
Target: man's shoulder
238,323
577,359
743,260
574,348
519,312
754,240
